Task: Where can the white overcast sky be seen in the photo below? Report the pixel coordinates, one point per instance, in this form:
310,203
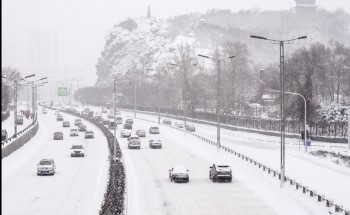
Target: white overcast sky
81,25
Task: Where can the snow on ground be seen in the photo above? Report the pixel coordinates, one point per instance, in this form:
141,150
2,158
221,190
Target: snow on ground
319,174
79,183
151,192
8,124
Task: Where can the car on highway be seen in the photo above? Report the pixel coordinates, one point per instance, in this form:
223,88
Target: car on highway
190,128
112,125
58,135
4,135
57,112
178,174
141,133
74,132
66,124
77,151
134,142
125,133
127,126
131,121
98,118
155,144
46,167
89,134
77,122
90,113
179,125
154,130
105,121
59,118
167,121
81,127
44,111
84,113
220,172
19,120
119,120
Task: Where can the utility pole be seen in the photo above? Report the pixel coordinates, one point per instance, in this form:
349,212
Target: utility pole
135,97
218,96
15,111
282,122
115,123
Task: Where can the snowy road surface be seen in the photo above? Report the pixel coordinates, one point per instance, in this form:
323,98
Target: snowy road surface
324,176
78,185
151,192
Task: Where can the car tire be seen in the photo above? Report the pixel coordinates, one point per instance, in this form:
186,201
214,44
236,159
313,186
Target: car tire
37,174
214,179
209,176
188,180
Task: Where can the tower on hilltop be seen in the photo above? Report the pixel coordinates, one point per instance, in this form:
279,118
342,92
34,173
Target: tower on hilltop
149,13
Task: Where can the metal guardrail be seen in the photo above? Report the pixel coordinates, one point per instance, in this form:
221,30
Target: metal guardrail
14,136
298,186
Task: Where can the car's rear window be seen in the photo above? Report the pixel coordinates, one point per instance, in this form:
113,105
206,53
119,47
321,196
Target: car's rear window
223,168
45,162
77,147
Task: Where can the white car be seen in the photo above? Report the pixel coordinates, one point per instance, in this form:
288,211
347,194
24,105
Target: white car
110,116
46,167
125,133
179,173
179,125
154,130
155,144
57,112
77,151
74,132
141,133
44,111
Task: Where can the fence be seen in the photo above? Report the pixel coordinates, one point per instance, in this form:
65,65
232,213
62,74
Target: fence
22,138
332,132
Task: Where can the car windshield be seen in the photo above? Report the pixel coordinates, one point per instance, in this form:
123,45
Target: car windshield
89,132
134,138
73,130
77,147
58,133
45,162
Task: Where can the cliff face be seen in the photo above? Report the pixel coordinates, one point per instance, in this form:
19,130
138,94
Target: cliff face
129,44
137,44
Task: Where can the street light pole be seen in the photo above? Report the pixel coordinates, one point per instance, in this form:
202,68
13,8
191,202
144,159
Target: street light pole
115,123
15,111
218,99
281,46
135,97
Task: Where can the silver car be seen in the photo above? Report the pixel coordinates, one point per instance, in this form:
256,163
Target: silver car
46,167
134,142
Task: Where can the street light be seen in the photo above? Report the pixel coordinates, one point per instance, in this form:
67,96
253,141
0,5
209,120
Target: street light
115,120
15,100
281,44
184,91
218,99
276,91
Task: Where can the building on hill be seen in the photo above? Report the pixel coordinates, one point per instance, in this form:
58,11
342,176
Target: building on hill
305,6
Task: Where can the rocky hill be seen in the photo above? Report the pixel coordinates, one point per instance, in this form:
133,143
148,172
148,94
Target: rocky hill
137,44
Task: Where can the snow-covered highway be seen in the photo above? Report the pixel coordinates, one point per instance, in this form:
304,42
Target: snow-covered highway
324,176
79,183
151,192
